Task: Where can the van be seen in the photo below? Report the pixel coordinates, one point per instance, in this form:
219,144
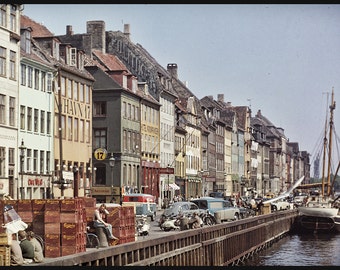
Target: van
144,204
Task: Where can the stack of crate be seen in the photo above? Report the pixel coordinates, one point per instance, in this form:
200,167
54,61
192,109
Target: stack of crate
52,228
122,219
5,241
73,226
5,249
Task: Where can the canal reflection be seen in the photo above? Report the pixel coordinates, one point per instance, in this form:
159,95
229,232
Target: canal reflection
300,250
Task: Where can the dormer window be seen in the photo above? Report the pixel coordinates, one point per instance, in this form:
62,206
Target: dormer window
26,40
73,57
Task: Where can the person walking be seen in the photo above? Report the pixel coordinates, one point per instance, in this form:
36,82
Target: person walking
38,252
100,221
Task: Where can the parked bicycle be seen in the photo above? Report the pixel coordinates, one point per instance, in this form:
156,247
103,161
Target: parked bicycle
92,240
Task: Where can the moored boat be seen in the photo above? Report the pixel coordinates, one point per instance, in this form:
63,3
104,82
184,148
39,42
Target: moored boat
321,213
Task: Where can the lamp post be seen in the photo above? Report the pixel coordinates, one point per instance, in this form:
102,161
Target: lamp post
22,149
112,164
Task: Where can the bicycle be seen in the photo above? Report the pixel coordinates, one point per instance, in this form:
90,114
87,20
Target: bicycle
92,240
40,240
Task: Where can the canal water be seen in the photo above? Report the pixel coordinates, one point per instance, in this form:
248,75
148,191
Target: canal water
300,250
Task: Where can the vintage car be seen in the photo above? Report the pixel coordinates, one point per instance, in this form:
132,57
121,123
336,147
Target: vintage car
280,204
221,209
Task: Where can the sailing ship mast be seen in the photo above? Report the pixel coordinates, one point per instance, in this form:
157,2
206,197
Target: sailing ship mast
331,108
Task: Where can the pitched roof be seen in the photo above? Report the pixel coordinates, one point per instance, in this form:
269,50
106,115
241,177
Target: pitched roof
38,29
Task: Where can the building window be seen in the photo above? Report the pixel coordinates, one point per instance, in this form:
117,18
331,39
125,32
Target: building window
75,90
81,130
22,117
28,160
42,161
13,20
12,65
36,120
3,16
35,161
100,138
87,94
23,74
88,132
81,92
2,61
73,57
43,81
49,82
69,88
63,126
69,128
2,109
42,121
12,111
36,79
30,77
29,119
48,123
2,161
75,128
99,108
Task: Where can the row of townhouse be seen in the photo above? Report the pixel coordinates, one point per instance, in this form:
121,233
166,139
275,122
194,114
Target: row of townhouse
95,115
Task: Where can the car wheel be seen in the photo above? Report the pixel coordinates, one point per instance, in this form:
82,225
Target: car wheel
274,208
237,217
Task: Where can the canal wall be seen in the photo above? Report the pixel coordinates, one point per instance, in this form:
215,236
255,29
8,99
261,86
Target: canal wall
219,245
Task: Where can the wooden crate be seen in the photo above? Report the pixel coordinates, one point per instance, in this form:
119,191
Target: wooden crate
52,251
51,216
24,205
52,204
5,253
5,239
69,250
52,239
69,205
38,204
26,216
53,228
70,217
71,228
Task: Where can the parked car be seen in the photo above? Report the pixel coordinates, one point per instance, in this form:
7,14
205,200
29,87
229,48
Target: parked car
280,204
219,208
179,208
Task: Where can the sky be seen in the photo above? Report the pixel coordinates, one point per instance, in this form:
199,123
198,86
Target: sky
281,59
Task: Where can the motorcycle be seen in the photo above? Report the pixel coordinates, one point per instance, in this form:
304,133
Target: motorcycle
207,218
142,225
170,223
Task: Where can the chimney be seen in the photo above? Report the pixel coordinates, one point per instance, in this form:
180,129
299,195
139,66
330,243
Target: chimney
127,31
69,31
172,69
220,98
97,31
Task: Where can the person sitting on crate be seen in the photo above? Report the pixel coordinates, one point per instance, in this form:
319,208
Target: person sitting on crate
16,253
99,221
38,252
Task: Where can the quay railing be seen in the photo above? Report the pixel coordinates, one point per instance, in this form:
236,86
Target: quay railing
223,244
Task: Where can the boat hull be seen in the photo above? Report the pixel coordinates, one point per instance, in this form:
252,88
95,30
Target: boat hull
318,219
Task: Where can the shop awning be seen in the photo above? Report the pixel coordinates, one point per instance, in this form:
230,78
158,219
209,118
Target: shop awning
174,186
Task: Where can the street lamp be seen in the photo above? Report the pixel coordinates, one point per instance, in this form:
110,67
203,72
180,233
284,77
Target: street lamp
22,149
112,164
